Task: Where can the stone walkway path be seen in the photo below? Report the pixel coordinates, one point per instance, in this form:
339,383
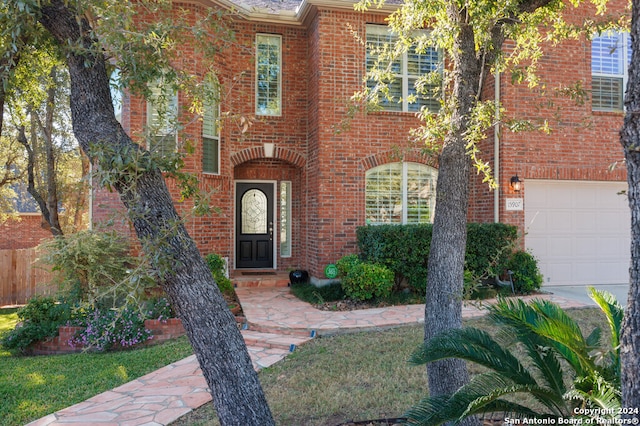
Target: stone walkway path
277,322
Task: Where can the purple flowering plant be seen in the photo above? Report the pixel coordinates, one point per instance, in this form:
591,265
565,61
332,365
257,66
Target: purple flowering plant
113,328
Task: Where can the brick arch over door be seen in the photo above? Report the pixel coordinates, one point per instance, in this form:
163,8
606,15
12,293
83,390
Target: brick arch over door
257,153
392,156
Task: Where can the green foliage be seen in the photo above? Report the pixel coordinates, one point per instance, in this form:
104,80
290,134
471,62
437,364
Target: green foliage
158,308
96,268
217,267
532,384
314,295
405,249
366,280
346,263
40,319
526,275
111,328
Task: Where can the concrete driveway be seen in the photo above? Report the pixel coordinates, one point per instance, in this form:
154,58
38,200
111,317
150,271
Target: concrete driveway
579,293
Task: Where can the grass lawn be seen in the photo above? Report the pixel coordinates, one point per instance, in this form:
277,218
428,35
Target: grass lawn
32,387
332,380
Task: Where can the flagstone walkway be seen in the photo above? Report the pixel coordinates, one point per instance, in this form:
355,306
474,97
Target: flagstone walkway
277,322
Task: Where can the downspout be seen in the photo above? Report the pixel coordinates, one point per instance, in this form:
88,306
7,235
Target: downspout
496,151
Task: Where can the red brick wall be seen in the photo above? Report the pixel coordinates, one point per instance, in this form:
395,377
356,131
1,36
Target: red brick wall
25,232
581,145
323,65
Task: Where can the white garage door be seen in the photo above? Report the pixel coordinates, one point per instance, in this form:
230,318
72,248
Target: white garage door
578,231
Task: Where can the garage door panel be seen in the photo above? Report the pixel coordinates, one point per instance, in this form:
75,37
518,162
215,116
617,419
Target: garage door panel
578,231
561,221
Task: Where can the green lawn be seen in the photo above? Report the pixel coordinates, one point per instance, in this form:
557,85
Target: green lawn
32,387
325,382
330,381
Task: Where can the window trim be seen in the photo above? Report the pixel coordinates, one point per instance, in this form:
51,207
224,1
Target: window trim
626,58
286,249
267,112
404,188
170,118
214,137
403,76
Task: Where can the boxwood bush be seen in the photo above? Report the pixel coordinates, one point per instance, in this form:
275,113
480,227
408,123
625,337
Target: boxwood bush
405,249
366,281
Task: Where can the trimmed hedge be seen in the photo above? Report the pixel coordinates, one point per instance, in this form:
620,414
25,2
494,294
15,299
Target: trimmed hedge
405,249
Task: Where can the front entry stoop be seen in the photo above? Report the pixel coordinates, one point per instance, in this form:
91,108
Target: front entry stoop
250,278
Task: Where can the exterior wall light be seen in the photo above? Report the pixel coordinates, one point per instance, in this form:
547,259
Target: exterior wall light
516,183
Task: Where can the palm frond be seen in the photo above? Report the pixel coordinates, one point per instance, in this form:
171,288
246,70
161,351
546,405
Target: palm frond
614,313
485,389
432,411
476,346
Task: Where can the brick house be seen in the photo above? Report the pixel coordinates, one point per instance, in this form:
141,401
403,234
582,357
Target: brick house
25,229
293,188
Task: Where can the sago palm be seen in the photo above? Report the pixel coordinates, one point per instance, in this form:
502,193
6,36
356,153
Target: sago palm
552,347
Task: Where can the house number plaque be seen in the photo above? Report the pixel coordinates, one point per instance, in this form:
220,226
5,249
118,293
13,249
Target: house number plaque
515,204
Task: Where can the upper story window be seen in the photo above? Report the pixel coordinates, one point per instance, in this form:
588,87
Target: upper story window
406,71
210,139
610,56
162,113
268,74
400,193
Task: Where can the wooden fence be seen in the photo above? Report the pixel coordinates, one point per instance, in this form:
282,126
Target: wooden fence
22,277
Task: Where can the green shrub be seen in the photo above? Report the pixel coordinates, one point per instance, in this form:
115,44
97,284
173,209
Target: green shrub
526,275
405,249
217,267
402,248
97,268
346,263
366,280
39,320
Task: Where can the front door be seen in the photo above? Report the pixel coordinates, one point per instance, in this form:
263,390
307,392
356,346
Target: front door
254,225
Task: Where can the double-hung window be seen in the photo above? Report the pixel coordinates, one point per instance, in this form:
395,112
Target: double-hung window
400,192
268,74
162,113
610,56
210,139
405,71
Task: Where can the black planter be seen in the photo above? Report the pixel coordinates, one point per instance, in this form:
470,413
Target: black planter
298,277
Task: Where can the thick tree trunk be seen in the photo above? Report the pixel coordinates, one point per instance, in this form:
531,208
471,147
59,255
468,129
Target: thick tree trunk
211,328
630,139
443,309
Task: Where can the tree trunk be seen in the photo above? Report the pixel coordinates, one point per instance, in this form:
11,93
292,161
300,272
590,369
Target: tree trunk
212,330
630,139
443,308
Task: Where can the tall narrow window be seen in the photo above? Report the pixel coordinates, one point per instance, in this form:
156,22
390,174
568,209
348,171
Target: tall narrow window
610,56
285,219
268,74
400,193
210,140
405,71
162,112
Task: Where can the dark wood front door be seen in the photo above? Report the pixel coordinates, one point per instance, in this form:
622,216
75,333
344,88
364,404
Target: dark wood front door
254,225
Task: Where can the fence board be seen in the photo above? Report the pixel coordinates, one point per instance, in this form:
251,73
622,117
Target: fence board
22,277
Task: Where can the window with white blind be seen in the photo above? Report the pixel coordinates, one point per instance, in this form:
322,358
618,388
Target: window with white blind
162,113
610,56
285,219
406,71
400,193
210,139
268,74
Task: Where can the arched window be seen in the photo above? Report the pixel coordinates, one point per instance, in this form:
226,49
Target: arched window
400,193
